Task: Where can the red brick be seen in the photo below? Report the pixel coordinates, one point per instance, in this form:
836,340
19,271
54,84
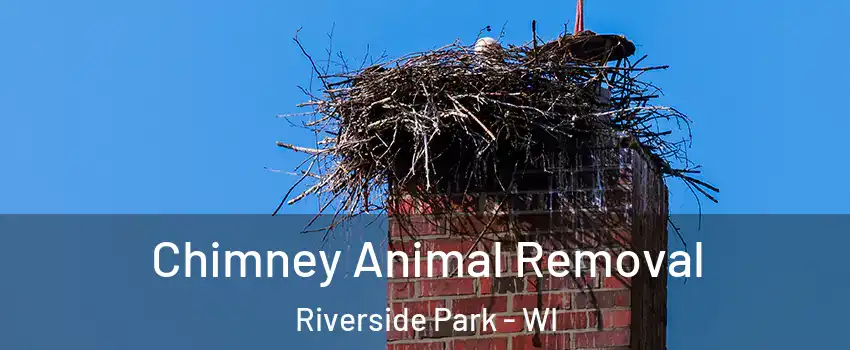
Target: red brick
485,285
616,318
393,334
475,224
517,325
426,307
601,299
446,245
572,320
435,204
602,339
532,283
616,282
402,246
401,290
503,265
450,286
549,300
480,344
413,226
402,207
542,264
512,263
549,283
558,341
502,285
418,346
523,342
471,306
593,319
398,269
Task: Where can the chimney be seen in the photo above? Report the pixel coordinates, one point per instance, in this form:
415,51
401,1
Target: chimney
549,144
601,197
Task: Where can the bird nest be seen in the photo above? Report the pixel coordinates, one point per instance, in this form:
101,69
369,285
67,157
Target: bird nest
455,119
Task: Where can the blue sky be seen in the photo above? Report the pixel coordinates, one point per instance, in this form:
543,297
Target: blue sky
169,107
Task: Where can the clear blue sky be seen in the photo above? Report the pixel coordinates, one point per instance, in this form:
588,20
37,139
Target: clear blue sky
167,106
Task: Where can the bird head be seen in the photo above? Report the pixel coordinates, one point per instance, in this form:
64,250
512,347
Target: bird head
485,44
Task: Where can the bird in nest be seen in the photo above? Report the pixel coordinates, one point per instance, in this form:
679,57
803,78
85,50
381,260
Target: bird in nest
489,51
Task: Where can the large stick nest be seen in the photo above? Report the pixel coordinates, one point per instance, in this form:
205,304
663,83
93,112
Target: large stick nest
428,120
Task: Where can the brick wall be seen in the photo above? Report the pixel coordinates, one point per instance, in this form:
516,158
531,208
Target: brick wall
606,199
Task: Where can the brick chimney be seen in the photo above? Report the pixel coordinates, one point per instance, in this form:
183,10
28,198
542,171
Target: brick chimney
597,198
